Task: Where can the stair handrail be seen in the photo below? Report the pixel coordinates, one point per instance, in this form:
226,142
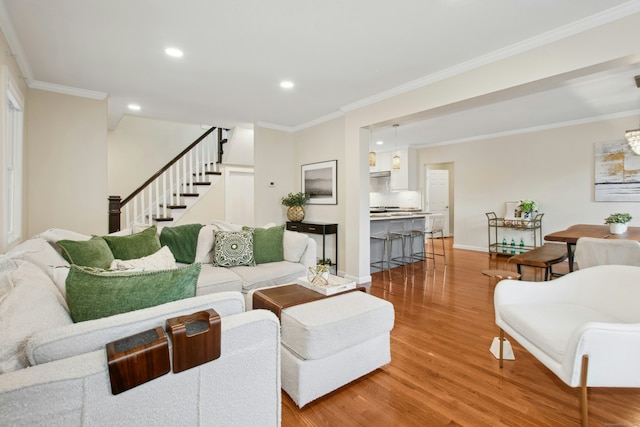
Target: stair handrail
116,203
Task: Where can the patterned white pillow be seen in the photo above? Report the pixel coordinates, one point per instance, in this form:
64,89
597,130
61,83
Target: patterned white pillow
233,248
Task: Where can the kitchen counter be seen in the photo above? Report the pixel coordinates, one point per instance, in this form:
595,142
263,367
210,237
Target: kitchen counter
379,223
397,215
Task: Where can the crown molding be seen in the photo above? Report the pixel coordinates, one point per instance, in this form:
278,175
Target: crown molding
67,90
605,17
540,128
14,44
274,126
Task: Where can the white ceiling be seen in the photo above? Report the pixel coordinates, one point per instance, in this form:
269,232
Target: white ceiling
339,53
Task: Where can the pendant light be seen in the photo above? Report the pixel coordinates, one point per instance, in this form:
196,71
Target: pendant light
372,154
396,158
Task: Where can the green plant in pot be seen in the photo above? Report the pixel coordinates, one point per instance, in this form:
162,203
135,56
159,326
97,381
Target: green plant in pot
618,222
527,207
295,202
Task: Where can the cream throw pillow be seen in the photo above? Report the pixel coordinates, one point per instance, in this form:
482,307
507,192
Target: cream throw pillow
161,260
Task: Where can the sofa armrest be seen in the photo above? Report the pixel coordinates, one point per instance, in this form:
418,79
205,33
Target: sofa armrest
70,340
242,387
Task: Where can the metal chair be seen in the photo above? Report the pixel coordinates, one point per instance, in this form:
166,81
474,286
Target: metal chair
394,231
416,229
436,226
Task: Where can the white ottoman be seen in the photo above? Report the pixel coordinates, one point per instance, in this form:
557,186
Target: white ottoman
331,342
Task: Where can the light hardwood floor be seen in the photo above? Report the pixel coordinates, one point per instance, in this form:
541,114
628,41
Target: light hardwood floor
441,371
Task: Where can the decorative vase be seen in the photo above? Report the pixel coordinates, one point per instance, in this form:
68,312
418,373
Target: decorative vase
527,215
295,213
617,228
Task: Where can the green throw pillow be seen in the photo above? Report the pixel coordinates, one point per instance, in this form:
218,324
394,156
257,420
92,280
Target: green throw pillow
267,244
182,240
94,294
135,245
233,248
89,253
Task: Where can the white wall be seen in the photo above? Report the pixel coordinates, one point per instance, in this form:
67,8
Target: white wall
556,60
555,167
140,146
239,149
274,163
67,163
319,144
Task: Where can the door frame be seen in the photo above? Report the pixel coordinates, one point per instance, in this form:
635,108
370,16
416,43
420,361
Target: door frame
449,166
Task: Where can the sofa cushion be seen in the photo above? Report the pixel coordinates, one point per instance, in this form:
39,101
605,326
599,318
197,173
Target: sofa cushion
52,235
204,248
233,248
182,240
29,302
43,255
294,244
269,274
161,260
134,245
58,343
217,279
88,253
93,294
220,225
267,244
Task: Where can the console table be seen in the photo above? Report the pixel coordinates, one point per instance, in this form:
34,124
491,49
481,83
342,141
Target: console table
323,228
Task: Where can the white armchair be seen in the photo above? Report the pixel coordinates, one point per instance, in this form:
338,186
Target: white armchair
583,326
592,251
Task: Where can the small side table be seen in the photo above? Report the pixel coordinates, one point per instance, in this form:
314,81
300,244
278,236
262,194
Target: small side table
323,228
501,274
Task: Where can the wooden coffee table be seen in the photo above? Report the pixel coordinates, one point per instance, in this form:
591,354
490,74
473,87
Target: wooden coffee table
280,297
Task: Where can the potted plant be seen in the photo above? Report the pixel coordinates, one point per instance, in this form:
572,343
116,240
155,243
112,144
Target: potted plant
527,207
617,222
295,202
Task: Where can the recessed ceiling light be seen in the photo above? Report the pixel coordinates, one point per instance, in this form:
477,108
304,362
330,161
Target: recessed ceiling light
286,84
174,52
134,107
380,142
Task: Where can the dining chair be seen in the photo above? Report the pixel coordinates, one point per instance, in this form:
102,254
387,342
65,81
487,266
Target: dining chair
591,251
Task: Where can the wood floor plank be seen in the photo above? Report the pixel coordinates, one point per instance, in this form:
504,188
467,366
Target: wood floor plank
441,370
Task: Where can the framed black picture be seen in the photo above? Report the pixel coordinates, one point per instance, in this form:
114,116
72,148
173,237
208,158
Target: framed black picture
320,182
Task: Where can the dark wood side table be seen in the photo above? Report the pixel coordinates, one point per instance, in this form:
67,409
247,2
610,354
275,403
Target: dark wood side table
322,228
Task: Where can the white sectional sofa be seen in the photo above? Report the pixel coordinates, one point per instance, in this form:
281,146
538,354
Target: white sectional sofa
54,371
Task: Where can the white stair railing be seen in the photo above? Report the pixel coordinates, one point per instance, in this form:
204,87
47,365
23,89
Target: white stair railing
154,200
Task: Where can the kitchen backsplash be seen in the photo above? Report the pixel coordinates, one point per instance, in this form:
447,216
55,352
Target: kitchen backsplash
412,199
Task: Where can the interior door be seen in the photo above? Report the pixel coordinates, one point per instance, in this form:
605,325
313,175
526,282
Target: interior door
438,194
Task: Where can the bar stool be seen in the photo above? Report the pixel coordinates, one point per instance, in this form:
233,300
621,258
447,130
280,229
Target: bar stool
436,227
393,232
416,230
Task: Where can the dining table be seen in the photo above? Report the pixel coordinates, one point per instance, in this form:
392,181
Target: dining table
571,235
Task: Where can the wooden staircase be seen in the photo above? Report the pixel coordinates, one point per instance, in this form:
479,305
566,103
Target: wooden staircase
172,190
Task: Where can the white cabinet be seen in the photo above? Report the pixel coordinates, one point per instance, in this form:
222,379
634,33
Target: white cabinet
405,178
383,162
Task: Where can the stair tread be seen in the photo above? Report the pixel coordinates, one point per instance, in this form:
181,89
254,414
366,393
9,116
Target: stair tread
161,218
